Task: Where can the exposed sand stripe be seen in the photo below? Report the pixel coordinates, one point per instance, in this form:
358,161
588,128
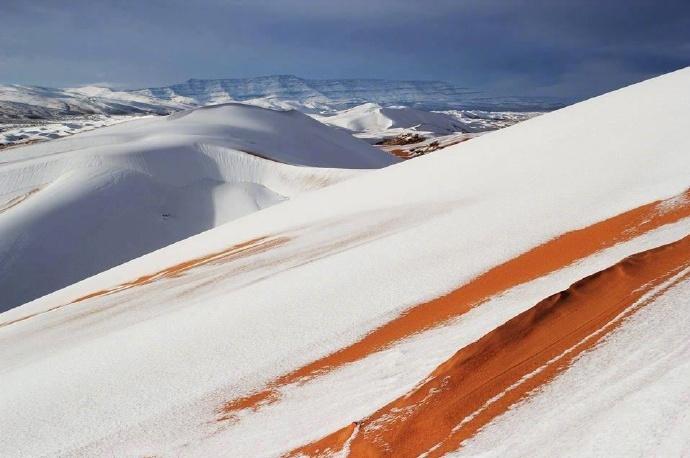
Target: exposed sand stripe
17,200
542,260
241,250
485,378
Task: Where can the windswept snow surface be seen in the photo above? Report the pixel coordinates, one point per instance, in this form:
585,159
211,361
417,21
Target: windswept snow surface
142,359
77,206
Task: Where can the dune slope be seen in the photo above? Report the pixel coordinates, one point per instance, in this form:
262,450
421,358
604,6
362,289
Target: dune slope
288,331
75,207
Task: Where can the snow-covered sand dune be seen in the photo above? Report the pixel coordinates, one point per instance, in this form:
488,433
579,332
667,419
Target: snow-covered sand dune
374,120
75,207
408,132
347,319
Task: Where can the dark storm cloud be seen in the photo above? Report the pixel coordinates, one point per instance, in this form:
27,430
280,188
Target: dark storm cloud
567,48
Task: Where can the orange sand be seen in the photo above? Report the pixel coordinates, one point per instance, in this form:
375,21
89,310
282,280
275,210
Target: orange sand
542,260
485,378
238,251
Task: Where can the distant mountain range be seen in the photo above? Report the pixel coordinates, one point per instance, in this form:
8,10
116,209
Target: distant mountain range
279,91
317,94
22,103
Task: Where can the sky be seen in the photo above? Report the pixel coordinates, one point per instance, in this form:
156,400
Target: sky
571,49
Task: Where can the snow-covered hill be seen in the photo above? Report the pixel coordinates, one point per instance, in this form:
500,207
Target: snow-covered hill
407,132
32,102
524,293
374,120
95,200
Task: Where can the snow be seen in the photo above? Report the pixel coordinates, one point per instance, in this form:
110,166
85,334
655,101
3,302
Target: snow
628,397
31,113
277,91
140,371
285,136
434,130
307,95
310,410
18,133
21,103
373,119
483,121
92,201
318,96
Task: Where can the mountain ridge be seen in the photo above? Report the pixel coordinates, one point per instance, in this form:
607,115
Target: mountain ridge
23,102
348,92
